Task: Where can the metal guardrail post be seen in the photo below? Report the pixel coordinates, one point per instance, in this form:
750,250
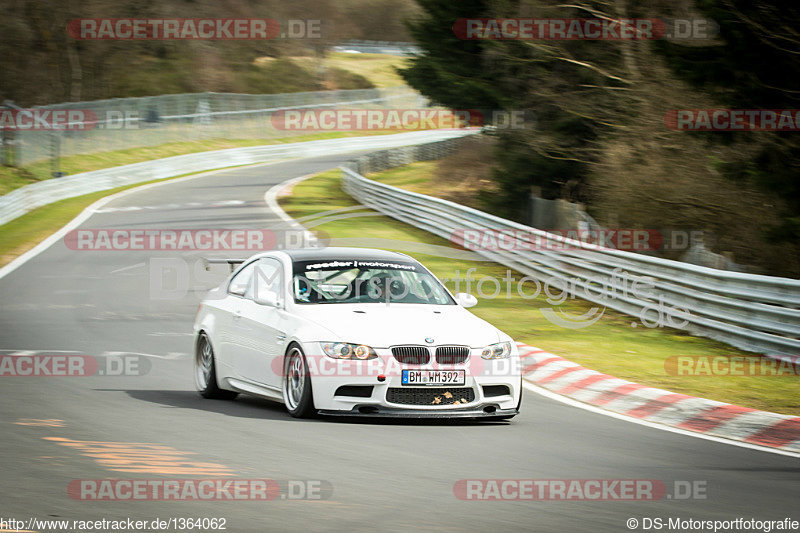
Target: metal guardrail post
55,154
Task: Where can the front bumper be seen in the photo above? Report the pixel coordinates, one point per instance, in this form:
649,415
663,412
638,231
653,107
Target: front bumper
495,389
369,411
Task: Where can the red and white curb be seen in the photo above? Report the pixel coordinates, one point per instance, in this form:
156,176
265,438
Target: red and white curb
658,406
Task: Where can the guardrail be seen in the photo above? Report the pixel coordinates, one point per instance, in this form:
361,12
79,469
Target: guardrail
22,200
752,312
378,47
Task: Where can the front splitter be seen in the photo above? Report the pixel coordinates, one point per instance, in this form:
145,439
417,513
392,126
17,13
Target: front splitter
388,412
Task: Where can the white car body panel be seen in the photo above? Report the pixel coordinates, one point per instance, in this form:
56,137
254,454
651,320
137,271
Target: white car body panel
250,339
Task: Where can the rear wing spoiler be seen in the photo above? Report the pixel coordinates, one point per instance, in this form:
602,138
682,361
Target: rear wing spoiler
232,263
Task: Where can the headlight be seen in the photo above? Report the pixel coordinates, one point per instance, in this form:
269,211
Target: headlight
345,350
501,350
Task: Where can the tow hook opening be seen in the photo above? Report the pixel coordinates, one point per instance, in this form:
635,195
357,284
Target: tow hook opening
367,409
489,409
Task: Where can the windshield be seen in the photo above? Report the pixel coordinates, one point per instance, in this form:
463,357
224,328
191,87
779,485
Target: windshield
366,281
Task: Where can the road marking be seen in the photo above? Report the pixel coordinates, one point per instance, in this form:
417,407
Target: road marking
271,199
34,352
124,209
90,211
587,407
43,422
142,458
168,356
123,269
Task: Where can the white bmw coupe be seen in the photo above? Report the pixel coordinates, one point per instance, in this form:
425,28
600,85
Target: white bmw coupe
350,331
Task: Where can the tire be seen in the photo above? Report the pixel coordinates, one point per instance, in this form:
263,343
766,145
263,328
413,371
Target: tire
296,384
205,372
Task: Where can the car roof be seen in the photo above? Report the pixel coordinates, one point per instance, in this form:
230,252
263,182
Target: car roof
341,254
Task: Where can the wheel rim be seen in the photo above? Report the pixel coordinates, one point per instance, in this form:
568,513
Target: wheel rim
295,379
204,363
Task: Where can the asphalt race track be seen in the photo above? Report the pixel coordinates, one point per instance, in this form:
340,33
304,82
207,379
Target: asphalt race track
384,475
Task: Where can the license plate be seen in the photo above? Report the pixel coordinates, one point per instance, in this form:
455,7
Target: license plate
433,377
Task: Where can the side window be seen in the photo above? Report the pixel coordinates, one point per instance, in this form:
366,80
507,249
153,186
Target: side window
241,281
266,280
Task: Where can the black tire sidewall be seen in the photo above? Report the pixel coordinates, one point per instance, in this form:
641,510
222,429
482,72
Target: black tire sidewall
212,390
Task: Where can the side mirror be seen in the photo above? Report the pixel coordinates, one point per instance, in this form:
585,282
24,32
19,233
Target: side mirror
268,298
466,300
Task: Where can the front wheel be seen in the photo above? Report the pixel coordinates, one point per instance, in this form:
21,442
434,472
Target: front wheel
205,372
297,384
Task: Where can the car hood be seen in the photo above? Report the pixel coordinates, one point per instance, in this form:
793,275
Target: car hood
381,326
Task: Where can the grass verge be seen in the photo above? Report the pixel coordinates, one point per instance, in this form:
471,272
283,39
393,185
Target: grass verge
611,345
378,69
25,232
12,178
